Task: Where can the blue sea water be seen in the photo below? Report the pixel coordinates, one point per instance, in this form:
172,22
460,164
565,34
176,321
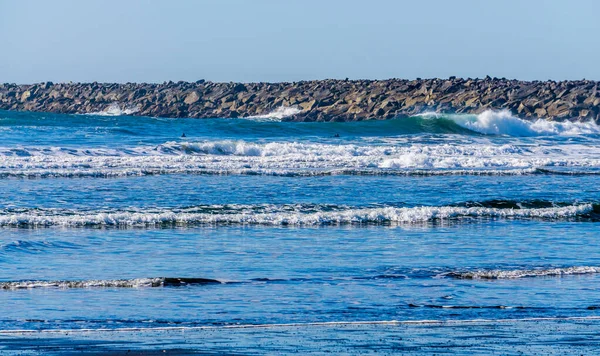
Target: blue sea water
111,222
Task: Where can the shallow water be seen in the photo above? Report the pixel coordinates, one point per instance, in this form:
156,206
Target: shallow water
111,222
482,337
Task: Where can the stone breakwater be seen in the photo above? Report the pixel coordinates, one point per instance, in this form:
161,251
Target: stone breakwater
319,100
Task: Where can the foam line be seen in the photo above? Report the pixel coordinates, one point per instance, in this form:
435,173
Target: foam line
438,322
298,159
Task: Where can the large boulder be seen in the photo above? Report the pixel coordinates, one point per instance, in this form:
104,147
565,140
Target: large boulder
191,98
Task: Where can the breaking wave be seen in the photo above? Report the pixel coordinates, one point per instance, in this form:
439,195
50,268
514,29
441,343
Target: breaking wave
503,122
523,273
293,215
300,159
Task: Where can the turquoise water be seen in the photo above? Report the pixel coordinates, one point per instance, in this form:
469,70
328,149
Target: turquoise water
108,222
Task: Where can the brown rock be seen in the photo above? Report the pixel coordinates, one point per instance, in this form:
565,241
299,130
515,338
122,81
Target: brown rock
191,98
308,105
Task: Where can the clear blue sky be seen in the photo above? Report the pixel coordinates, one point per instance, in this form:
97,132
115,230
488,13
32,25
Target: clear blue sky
290,40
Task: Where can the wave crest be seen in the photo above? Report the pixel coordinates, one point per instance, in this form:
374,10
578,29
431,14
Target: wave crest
283,215
502,122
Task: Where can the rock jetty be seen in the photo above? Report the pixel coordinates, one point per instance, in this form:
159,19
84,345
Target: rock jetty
318,100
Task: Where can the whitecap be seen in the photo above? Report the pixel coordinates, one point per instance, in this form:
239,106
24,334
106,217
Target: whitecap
295,158
275,215
278,114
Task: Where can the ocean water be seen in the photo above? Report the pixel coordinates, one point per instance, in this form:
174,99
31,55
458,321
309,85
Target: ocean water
112,222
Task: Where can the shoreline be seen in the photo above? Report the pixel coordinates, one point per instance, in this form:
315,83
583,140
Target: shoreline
317,100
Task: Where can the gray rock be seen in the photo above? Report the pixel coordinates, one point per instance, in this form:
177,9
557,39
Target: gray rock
324,100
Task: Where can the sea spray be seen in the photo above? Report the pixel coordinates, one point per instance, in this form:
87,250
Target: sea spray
116,109
277,114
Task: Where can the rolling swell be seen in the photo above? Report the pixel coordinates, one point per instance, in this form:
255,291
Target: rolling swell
299,214
488,122
443,144
401,275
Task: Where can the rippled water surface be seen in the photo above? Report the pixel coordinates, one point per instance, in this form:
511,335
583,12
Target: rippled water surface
120,222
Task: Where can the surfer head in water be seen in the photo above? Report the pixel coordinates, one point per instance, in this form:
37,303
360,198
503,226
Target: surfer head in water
183,135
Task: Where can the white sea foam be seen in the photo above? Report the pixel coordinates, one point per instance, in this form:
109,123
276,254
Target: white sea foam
99,283
279,215
115,109
523,273
277,114
107,283
295,158
502,122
